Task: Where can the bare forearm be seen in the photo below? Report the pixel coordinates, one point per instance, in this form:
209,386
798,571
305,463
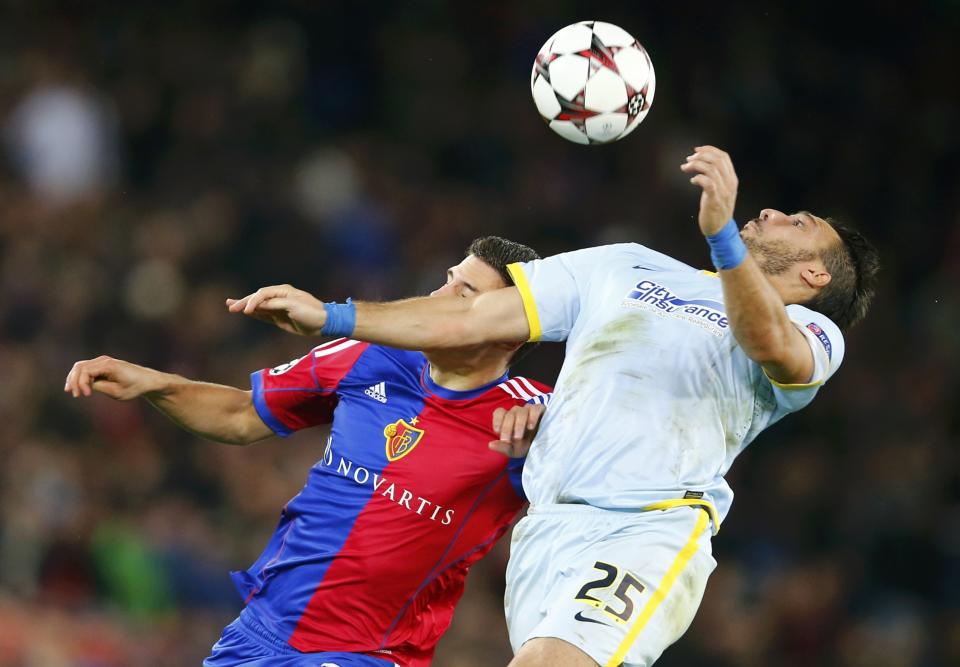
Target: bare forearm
212,411
413,324
756,312
443,322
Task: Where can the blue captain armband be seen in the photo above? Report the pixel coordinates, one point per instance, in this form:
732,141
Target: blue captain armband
727,249
341,319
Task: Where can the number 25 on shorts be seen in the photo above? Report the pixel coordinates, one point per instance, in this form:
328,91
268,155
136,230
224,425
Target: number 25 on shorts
611,575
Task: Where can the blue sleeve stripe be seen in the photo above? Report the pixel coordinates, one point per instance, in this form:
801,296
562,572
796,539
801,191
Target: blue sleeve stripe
542,399
515,472
260,404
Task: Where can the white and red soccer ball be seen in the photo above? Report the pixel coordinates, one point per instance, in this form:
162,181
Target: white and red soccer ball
593,82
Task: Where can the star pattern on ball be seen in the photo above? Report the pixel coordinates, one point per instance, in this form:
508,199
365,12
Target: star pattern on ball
592,82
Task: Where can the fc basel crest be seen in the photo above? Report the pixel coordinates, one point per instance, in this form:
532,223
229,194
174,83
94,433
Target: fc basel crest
401,438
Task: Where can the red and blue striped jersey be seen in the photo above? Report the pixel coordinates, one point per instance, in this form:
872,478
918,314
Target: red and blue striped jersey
371,555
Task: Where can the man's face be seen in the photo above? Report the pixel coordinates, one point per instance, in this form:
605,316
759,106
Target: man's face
469,278
779,240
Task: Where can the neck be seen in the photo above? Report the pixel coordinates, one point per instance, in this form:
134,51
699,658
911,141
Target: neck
789,290
461,374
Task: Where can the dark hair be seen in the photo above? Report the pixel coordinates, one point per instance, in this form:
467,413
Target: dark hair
853,264
498,253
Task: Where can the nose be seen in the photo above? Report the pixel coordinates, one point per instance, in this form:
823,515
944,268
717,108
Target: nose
443,290
772,215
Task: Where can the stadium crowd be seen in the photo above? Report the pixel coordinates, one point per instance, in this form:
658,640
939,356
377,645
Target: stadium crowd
156,160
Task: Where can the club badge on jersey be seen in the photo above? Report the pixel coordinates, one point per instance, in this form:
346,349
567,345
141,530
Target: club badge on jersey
401,438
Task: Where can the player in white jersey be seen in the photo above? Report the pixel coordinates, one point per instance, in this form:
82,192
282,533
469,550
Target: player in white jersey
669,373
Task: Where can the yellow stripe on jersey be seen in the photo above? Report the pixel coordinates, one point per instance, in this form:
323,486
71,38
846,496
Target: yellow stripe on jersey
658,596
781,385
687,502
529,305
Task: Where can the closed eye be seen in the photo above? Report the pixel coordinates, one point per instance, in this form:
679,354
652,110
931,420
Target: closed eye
467,290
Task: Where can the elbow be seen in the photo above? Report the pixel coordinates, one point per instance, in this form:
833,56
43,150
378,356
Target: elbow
246,425
245,436
242,439
237,437
768,346
763,355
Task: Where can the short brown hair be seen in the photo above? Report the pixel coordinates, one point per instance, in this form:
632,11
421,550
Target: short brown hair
853,264
498,253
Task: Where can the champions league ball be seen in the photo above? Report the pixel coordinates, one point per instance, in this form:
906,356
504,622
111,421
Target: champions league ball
593,83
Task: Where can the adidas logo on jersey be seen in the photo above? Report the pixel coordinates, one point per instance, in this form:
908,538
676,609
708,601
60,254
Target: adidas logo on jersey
377,392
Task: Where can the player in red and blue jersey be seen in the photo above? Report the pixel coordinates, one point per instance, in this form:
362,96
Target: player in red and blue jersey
369,559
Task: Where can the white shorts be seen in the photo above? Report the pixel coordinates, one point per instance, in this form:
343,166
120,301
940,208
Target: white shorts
621,586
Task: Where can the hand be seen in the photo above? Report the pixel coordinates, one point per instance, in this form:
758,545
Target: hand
517,428
117,379
715,175
284,306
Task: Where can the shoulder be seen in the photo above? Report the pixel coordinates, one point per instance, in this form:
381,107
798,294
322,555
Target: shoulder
393,356
652,259
817,326
619,254
401,356
613,256
362,362
337,347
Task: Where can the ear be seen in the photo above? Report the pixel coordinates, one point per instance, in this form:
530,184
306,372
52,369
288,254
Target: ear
815,277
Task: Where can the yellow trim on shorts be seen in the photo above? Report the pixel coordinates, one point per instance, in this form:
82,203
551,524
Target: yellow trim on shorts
529,304
658,596
687,502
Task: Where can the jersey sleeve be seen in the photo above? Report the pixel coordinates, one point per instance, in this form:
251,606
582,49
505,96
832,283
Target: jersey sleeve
515,474
552,289
530,392
826,344
302,393
542,399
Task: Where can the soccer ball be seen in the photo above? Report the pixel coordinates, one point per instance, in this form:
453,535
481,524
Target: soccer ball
593,82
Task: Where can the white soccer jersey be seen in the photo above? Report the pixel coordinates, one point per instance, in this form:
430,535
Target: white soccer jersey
655,398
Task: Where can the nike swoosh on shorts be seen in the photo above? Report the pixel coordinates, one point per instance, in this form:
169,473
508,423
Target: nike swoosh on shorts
580,617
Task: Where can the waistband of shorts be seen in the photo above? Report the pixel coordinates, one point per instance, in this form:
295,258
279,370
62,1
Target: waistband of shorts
248,621
584,509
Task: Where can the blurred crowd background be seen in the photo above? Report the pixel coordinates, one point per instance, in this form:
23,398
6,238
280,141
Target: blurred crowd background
156,158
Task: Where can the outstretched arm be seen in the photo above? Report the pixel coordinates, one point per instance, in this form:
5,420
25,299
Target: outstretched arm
212,411
757,314
423,323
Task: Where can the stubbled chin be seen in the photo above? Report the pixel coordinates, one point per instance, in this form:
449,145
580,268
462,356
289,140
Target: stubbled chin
757,251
